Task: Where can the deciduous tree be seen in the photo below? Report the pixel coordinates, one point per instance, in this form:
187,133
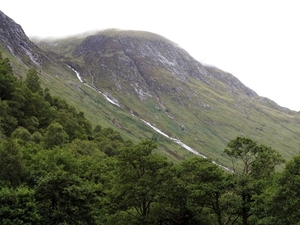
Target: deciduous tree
283,201
18,206
140,175
7,80
33,81
12,165
253,165
55,136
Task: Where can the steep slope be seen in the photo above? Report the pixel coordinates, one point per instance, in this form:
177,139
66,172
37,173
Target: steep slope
156,80
56,75
15,40
156,88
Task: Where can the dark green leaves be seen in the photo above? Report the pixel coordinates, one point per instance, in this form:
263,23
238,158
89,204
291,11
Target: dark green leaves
254,166
7,80
33,81
18,206
250,158
12,168
139,180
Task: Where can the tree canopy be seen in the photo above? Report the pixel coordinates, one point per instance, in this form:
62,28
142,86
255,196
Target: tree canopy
56,168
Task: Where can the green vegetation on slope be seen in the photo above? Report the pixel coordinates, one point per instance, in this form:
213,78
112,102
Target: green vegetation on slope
58,169
202,106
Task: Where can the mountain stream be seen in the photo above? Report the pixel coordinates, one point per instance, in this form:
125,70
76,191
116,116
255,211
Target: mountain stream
114,102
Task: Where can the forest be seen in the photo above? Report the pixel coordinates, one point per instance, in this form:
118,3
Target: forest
58,168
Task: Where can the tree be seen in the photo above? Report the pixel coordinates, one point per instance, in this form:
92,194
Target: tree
65,198
283,202
33,81
140,175
7,122
12,165
257,160
18,206
256,165
64,195
7,80
74,123
55,136
109,141
31,109
22,134
174,207
194,194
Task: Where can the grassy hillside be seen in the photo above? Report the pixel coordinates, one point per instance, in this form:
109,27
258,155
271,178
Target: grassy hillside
139,70
62,81
157,81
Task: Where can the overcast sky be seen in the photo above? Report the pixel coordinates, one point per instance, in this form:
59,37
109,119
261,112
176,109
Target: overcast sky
258,41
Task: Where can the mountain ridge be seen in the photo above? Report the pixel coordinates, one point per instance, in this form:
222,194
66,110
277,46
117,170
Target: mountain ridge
223,76
16,41
154,78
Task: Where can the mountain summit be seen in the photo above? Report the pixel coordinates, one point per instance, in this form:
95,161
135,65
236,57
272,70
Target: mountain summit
158,81
142,59
155,86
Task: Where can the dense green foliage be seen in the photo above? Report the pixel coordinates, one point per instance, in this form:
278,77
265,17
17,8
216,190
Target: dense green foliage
56,168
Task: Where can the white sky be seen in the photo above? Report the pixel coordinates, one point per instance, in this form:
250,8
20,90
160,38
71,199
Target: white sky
258,41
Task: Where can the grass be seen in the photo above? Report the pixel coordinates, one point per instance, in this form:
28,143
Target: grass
206,114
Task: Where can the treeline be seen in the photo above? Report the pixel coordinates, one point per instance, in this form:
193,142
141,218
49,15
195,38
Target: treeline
56,168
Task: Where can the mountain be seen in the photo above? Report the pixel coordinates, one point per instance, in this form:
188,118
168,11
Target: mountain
17,43
146,86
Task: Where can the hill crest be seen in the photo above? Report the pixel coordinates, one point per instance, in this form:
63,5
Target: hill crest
160,82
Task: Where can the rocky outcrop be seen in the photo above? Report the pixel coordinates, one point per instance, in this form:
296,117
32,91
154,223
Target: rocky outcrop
156,80
146,50
150,64
14,39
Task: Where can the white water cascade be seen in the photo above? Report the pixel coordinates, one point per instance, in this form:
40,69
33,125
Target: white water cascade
114,102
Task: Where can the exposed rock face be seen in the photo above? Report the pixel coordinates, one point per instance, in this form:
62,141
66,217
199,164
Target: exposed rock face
152,78
144,52
148,62
147,65
13,38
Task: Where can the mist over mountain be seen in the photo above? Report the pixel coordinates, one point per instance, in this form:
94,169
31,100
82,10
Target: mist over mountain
152,79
